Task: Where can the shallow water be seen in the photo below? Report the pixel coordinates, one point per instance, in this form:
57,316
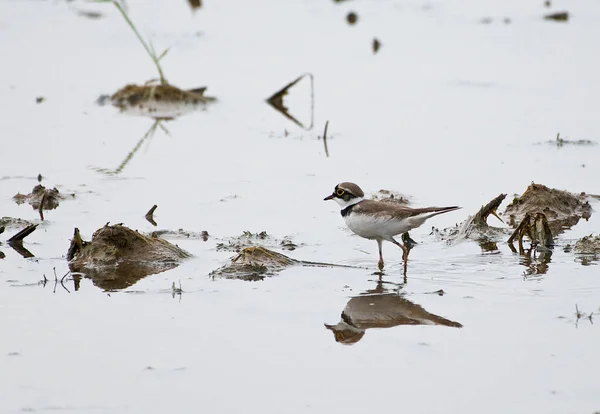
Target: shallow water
450,111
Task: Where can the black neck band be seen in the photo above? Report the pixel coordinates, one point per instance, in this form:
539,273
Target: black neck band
347,210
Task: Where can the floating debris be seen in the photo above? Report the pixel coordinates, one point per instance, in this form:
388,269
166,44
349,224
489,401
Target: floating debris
587,249
276,101
558,16
39,99
381,310
195,4
257,262
351,18
560,142
181,234
376,45
42,198
117,256
249,239
158,101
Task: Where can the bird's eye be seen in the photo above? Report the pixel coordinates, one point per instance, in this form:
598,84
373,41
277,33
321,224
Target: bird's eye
339,192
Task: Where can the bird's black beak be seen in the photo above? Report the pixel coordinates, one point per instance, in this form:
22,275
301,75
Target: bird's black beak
329,197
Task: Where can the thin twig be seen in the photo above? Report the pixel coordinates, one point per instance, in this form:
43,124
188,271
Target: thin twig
325,139
41,208
18,238
155,59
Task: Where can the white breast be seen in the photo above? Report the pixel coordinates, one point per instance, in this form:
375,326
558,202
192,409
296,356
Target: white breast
374,227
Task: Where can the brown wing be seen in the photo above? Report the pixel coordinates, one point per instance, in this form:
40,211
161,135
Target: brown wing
394,210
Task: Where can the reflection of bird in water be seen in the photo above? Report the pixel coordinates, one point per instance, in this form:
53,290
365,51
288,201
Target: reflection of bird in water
381,310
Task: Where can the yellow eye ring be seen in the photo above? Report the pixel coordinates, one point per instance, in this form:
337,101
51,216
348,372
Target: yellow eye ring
339,192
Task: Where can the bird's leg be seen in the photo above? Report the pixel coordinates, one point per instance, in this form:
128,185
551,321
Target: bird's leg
404,254
380,264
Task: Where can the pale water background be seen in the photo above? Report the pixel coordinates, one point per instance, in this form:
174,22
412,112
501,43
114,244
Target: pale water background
450,111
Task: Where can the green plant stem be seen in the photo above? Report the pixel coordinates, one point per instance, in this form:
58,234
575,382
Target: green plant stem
163,81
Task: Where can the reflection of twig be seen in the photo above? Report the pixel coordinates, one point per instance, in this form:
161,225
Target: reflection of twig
41,209
63,279
325,139
176,290
276,101
55,279
150,215
147,135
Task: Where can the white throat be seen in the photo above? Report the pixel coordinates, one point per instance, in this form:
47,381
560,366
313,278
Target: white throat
343,203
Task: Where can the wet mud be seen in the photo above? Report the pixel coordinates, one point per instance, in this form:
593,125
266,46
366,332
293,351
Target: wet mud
562,209
158,101
117,256
249,239
257,262
42,198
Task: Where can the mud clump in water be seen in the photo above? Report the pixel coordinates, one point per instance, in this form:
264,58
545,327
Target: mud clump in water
587,245
587,249
352,18
558,16
161,101
561,208
117,256
257,262
249,239
181,234
40,196
253,264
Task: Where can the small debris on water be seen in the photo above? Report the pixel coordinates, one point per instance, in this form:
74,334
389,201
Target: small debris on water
558,16
195,4
376,45
39,99
560,142
352,18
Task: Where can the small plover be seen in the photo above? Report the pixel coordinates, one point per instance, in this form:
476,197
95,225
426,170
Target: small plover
377,220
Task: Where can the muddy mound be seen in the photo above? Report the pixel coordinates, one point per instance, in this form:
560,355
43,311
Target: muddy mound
254,263
587,245
42,198
257,262
117,256
161,101
561,208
